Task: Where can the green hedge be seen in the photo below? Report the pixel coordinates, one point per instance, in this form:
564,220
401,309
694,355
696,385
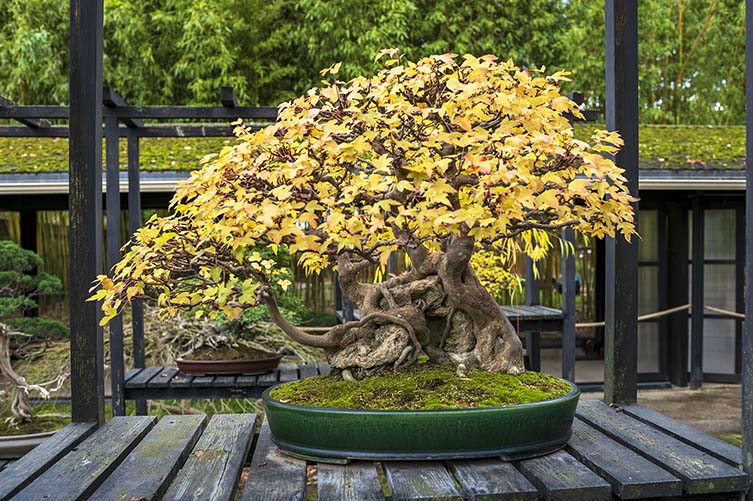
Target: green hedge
661,147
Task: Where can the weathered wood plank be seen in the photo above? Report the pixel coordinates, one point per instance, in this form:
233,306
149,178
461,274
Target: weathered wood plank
273,475
268,379
420,480
151,466
224,381
699,472
308,369
214,467
356,481
631,475
246,380
162,380
560,476
712,445
20,473
288,372
492,479
81,471
142,378
131,373
203,381
181,381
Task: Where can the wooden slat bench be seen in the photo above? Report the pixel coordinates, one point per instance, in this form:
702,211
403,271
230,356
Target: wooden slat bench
631,453
525,318
168,383
136,457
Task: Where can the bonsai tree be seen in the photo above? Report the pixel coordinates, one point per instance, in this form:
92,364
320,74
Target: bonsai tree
440,158
19,288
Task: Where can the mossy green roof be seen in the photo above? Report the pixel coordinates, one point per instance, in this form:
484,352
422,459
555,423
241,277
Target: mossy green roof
661,147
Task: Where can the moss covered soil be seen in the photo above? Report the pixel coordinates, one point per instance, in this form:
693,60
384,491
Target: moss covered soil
424,388
661,147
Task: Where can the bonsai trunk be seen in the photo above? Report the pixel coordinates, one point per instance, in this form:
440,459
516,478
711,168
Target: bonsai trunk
20,407
438,308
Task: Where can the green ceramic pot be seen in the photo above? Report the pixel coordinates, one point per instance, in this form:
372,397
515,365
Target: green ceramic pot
512,432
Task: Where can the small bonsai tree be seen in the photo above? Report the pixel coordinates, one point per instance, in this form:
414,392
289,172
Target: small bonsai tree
439,158
19,288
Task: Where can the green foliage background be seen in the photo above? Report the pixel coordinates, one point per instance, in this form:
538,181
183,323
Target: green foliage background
181,51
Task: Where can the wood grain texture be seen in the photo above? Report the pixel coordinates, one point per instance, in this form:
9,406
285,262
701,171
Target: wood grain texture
712,445
141,379
78,474
273,475
151,466
700,472
357,481
492,479
180,381
214,466
162,380
421,480
18,474
560,476
631,475
308,369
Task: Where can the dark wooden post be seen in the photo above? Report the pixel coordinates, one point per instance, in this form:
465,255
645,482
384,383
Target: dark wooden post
747,355
621,295
112,162
134,223
677,293
696,333
85,206
533,297
568,305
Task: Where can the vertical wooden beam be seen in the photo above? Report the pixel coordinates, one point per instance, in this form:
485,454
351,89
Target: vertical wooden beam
112,163
533,297
568,305
85,206
134,223
696,333
747,356
621,295
677,292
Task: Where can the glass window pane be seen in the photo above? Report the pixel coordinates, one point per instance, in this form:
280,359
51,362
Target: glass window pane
648,347
719,286
719,234
648,289
648,247
718,346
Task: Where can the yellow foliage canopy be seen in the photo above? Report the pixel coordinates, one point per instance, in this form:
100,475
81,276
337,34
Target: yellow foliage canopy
418,153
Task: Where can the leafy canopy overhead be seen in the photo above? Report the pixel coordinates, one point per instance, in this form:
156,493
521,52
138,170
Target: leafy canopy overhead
422,151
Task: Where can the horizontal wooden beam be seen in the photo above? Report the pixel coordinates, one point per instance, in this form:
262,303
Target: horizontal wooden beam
29,122
210,130
112,99
157,112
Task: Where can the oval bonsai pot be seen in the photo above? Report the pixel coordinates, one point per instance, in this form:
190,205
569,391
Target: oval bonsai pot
15,446
338,435
214,367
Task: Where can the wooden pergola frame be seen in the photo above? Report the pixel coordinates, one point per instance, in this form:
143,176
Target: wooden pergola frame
86,48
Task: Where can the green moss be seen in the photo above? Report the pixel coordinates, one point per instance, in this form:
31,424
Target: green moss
661,147
424,388
735,439
685,147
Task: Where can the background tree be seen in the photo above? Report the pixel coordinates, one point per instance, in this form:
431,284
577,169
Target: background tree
19,288
439,158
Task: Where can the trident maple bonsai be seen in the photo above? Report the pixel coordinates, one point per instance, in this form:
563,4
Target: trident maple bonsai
437,158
